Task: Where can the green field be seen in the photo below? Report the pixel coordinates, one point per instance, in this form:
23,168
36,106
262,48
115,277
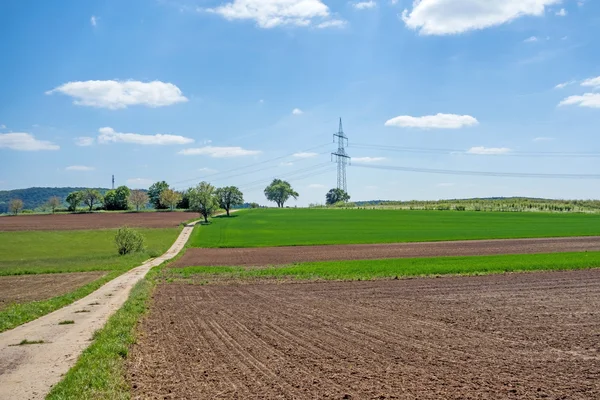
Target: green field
296,227
395,268
37,252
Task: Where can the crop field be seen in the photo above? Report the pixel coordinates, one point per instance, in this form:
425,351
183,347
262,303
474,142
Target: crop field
497,336
107,220
301,227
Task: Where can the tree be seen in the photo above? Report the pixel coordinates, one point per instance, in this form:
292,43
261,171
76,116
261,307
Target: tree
202,199
74,199
154,193
335,196
91,197
279,192
54,202
15,206
138,198
169,198
117,199
229,196
184,203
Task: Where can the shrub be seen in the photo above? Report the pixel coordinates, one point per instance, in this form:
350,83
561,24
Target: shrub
129,241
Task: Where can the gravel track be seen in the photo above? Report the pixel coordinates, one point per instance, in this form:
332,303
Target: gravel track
513,336
288,255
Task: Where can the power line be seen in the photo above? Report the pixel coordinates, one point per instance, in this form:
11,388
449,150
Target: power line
311,174
481,173
304,171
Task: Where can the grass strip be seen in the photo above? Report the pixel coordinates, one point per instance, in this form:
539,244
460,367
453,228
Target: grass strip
18,314
401,267
100,370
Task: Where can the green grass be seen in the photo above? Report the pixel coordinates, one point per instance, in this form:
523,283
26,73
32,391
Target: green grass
400,267
295,227
18,314
67,322
26,342
100,370
34,252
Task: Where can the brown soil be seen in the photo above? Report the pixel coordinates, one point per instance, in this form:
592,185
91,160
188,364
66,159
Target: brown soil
288,255
525,336
94,221
25,288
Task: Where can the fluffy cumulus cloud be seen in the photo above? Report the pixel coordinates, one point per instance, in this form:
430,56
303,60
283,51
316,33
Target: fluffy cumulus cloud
364,5
488,150
80,168
109,135
592,82
564,85
93,20
273,13
305,155
219,152
562,12
531,39
366,160
297,111
438,121
446,17
590,100
24,142
121,94
84,141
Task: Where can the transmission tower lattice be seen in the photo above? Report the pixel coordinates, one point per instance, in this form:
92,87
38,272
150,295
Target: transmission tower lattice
341,158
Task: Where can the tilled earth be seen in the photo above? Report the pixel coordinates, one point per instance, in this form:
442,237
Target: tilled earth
288,255
63,222
25,288
525,336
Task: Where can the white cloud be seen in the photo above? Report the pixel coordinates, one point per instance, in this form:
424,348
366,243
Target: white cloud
543,139
297,111
488,150
367,159
562,13
446,17
139,182
93,20
316,186
593,82
108,135
207,170
84,141
564,85
591,100
305,155
364,5
531,39
332,23
272,13
438,121
219,152
121,94
81,168
24,142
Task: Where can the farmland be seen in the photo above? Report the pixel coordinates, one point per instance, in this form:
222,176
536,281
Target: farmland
301,227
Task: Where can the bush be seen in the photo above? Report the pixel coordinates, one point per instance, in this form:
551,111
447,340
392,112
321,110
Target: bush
129,241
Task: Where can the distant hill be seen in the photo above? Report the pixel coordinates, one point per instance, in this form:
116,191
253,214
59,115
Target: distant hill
37,196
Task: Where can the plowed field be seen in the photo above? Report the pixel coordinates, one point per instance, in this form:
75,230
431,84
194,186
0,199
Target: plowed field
525,336
287,255
94,221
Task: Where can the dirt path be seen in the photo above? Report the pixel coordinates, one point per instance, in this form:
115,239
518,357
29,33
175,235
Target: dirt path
288,255
28,372
513,336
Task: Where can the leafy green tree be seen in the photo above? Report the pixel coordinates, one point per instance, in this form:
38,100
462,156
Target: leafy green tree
229,196
184,203
138,198
91,197
74,199
54,202
117,199
154,193
335,196
15,206
280,192
170,198
203,200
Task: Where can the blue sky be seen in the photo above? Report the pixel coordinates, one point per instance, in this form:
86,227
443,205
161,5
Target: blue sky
238,92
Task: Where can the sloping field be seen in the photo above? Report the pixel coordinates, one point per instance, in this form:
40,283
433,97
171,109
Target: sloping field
94,221
525,336
302,227
296,254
